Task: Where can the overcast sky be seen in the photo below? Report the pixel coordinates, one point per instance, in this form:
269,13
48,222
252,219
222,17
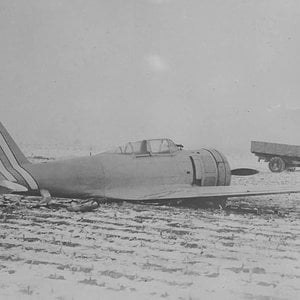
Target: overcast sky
204,73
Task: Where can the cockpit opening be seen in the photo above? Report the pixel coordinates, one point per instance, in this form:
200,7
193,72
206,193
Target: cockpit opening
148,147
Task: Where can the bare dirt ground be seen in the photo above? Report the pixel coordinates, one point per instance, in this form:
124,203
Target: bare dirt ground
125,251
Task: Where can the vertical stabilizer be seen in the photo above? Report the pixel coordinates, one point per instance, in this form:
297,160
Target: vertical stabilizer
12,161
13,147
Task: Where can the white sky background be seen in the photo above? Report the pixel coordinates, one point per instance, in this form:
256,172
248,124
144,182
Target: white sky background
205,73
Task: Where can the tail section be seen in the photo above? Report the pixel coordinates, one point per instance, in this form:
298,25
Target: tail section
12,161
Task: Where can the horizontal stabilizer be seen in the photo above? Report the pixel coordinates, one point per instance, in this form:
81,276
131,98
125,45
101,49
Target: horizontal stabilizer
182,192
7,187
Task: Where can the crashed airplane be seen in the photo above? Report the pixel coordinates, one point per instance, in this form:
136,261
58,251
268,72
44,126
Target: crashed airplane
147,171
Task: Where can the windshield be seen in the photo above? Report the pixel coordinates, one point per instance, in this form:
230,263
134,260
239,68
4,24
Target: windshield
148,147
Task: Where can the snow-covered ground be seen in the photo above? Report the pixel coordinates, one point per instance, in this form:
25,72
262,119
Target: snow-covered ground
125,251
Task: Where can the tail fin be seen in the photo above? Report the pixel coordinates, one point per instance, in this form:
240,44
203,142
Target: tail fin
5,138
12,161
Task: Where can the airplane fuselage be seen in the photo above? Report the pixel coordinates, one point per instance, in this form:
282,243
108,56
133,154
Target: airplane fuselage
95,176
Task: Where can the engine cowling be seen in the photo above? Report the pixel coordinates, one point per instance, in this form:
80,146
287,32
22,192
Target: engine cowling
211,168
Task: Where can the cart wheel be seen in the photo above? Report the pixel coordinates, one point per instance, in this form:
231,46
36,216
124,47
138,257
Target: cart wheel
277,164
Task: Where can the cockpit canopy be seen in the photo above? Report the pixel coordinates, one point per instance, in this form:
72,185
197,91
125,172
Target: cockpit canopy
148,147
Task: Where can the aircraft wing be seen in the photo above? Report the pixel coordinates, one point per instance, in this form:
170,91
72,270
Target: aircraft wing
7,187
176,192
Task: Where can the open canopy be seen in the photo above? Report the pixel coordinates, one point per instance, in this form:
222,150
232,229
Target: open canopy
147,147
